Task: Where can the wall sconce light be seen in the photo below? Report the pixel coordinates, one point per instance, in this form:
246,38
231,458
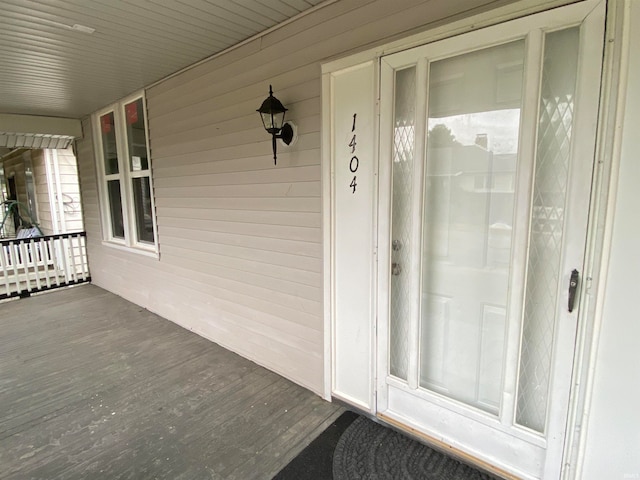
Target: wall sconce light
272,113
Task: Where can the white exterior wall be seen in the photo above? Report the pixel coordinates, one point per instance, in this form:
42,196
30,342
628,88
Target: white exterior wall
240,239
613,429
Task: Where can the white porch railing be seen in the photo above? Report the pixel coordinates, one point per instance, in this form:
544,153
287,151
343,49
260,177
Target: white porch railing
30,265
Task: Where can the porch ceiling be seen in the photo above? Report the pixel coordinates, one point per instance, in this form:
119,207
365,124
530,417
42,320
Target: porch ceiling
68,58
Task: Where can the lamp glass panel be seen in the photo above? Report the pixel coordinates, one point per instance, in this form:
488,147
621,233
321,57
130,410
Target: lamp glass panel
272,121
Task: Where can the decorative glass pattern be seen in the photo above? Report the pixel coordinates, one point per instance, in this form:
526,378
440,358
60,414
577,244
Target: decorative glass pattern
401,226
547,220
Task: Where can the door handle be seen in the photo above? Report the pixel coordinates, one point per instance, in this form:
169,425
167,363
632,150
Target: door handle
573,287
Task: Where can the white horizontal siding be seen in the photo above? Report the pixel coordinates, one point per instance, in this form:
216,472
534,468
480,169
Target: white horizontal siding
275,218
239,238
266,274
300,248
176,197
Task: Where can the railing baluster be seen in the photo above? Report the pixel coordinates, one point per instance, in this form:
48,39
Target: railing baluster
65,263
54,259
86,258
15,260
45,261
24,255
34,261
4,258
83,256
74,273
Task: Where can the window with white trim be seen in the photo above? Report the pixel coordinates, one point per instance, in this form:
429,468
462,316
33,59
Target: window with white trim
124,170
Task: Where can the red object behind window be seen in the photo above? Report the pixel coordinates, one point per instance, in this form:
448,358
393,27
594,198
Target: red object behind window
106,122
131,109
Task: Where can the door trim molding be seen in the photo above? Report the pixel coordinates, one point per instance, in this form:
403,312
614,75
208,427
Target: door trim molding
599,236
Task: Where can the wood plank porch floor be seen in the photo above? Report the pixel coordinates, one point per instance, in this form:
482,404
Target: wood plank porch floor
93,386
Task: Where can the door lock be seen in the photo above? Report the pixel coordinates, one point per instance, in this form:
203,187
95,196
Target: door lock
573,287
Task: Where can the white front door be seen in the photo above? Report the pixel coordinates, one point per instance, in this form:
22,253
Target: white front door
487,150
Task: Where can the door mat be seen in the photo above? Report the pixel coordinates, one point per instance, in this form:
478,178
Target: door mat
316,460
356,448
368,450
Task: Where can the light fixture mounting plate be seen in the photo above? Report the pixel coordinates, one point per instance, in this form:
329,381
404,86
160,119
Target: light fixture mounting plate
286,133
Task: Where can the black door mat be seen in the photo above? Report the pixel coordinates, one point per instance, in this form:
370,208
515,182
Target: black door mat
356,448
316,461
371,451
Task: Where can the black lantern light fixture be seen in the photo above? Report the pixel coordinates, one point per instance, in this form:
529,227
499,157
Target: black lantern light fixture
272,113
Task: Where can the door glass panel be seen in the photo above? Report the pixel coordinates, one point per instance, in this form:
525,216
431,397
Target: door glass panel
403,162
474,105
547,220
109,147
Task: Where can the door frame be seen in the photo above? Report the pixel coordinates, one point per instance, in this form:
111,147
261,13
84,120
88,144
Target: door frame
600,211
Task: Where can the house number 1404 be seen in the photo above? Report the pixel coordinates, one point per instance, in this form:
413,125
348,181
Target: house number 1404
354,163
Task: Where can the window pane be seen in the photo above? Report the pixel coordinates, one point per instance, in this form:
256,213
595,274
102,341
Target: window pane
109,148
142,199
136,136
115,207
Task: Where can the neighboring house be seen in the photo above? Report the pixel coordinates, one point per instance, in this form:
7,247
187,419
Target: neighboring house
45,183
432,286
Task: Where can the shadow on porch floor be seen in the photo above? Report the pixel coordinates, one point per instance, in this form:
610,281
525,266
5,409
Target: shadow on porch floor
92,386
